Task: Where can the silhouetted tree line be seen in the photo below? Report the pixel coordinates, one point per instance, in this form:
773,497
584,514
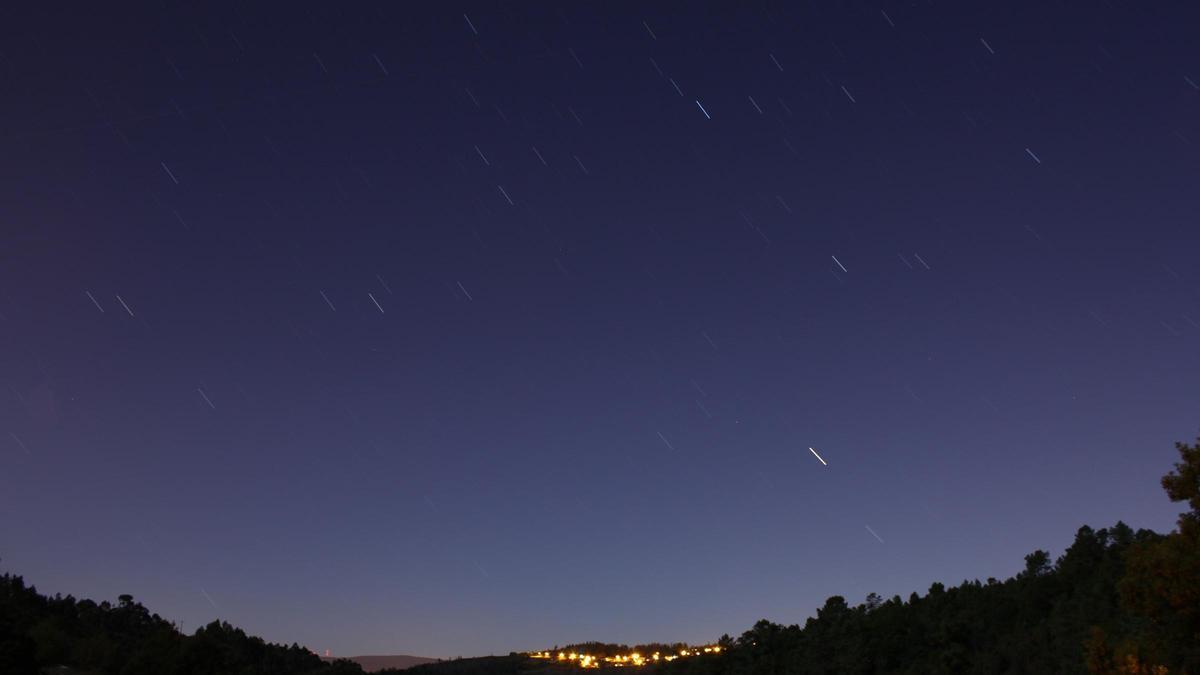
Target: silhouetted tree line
1116,602
126,639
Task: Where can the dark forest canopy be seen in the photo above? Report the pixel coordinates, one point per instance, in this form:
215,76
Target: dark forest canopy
1116,601
125,638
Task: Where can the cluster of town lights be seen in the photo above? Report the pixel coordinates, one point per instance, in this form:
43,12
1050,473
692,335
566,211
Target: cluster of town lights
634,659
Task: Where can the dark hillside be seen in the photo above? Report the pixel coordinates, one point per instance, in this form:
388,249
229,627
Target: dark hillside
1116,601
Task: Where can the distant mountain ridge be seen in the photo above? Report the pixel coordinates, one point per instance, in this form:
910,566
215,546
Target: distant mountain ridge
373,663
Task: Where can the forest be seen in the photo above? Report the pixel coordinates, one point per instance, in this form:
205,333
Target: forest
1116,601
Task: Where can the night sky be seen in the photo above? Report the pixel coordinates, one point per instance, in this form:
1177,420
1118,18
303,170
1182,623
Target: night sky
468,329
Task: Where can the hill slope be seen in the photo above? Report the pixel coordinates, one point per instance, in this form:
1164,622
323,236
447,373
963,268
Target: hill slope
1115,602
373,663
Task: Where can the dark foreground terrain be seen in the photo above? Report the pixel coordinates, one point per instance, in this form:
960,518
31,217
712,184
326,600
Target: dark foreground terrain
372,663
1117,601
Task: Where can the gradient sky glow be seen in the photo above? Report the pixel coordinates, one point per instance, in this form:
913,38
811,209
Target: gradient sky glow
478,328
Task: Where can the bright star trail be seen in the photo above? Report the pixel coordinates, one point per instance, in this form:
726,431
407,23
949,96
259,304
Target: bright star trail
819,458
